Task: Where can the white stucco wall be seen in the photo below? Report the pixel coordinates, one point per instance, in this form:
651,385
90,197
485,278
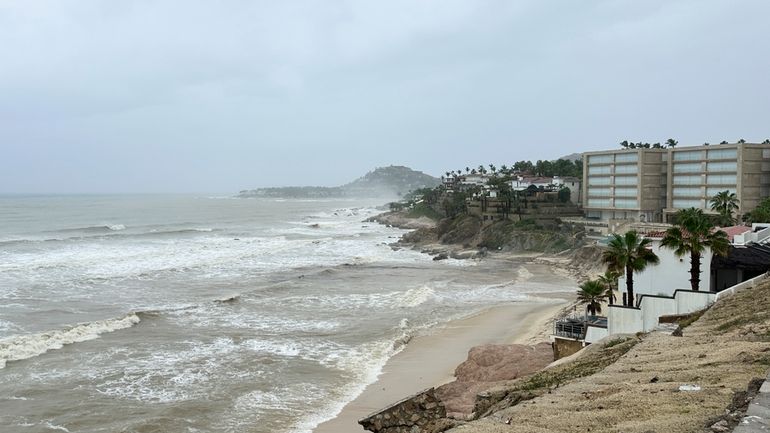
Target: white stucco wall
653,308
670,274
624,320
594,334
689,302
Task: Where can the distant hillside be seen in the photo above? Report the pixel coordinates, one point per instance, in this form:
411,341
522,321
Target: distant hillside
572,157
381,182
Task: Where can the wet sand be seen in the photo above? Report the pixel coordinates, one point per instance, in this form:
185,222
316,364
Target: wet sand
430,360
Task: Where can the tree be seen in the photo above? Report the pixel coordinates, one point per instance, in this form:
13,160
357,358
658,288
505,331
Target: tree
723,142
725,203
671,143
564,194
630,253
610,282
592,294
467,169
741,141
624,144
760,214
767,141
693,234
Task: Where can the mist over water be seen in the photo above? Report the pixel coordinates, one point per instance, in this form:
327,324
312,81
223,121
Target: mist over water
186,314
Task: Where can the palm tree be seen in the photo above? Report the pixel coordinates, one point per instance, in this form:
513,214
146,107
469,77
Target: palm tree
610,282
741,141
693,234
467,169
630,253
591,293
671,142
767,141
726,203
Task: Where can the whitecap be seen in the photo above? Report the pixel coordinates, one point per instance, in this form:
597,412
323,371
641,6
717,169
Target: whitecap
27,346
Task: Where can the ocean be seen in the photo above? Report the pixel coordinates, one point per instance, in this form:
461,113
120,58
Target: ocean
185,313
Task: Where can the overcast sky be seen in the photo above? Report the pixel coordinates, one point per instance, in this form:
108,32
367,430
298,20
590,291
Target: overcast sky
218,96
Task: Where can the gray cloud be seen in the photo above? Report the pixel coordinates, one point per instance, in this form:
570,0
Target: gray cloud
104,96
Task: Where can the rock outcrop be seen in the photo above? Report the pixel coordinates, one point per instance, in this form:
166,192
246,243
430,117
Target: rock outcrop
487,366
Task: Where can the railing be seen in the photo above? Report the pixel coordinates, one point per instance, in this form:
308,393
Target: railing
576,325
569,328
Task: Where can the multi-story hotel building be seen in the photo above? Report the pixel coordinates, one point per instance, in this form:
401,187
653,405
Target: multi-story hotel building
650,185
696,174
625,184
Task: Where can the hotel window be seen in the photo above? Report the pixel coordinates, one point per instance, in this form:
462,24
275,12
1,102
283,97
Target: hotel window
625,203
686,192
626,157
600,159
723,154
626,180
711,192
679,203
688,156
599,202
598,180
687,180
601,169
599,192
722,166
626,192
687,168
626,169
722,179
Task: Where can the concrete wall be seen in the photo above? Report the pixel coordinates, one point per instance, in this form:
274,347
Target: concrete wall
565,347
595,333
671,274
653,307
689,301
624,320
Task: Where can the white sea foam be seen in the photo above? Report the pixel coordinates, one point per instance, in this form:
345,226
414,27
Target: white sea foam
28,346
415,297
116,227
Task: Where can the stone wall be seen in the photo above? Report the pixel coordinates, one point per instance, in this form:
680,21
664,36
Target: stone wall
421,413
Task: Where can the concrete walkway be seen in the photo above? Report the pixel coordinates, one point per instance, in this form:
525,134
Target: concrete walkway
757,417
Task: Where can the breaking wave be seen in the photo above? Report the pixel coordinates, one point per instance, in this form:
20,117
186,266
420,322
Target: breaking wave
28,346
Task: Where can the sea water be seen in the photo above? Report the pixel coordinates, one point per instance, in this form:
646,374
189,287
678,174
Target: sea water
213,314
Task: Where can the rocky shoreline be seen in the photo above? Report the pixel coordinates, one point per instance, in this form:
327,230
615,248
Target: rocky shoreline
466,242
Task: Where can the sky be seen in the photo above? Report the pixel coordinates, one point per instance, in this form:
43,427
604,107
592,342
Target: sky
104,96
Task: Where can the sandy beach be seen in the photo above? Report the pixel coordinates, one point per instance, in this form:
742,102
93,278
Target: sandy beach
430,360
